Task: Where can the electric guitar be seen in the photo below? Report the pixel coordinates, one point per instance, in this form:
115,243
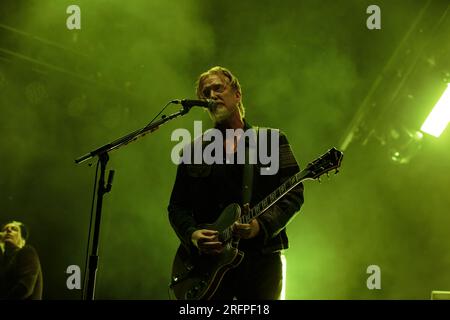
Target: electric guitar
197,277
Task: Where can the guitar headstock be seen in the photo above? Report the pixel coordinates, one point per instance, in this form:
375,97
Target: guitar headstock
327,162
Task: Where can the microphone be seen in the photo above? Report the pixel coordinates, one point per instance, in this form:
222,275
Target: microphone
188,103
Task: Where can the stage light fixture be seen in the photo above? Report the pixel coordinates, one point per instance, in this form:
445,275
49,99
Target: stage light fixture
439,117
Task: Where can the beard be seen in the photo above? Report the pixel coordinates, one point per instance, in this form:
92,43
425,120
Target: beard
220,113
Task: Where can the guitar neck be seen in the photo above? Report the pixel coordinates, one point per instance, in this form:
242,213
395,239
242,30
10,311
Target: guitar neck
329,161
272,198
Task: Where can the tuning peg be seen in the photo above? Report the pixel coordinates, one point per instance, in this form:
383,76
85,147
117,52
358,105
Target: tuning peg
336,171
318,179
328,175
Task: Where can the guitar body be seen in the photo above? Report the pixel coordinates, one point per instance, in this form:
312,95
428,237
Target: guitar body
197,277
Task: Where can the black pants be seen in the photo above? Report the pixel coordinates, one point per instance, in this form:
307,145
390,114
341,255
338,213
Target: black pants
258,277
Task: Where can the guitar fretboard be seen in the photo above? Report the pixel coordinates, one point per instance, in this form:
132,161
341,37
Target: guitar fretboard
268,201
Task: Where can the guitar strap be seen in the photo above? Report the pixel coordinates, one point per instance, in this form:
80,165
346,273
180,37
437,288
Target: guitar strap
247,179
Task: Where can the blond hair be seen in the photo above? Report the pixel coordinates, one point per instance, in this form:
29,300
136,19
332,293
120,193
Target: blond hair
232,81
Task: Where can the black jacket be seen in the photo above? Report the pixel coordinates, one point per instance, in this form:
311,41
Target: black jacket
202,191
21,275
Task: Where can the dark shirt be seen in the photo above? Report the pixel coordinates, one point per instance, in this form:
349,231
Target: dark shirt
202,191
20,275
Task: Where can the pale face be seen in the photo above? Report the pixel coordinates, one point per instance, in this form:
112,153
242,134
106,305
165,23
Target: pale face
13,235
217,88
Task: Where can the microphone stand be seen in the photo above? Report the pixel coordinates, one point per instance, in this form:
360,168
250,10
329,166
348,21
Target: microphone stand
102,154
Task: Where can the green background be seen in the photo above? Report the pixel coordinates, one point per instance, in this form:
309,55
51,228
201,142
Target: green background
311,68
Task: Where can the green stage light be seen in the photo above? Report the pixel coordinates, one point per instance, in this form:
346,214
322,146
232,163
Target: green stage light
439,117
